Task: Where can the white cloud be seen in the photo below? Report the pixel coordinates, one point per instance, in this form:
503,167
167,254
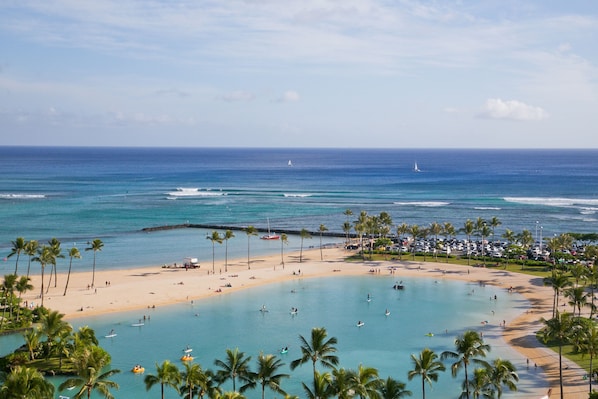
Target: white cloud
496,108
238,95
289,96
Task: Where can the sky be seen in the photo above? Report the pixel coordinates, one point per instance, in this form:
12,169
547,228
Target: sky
299,73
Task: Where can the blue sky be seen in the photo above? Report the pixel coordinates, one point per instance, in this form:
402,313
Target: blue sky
290,73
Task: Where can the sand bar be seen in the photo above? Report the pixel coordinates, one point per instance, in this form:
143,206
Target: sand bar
130,289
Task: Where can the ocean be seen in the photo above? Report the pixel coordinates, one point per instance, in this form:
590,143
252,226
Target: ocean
78,194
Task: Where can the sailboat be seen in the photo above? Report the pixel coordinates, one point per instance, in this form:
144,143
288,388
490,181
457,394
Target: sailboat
290,163
270,236
415,168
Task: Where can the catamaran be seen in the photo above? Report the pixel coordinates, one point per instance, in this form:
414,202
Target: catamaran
270,235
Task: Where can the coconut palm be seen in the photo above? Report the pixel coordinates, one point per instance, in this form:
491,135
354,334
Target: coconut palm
73,253
92,373
427,367
559,282
95,246
392,389
234,366
494,223
469,348
402,229
215,238
267,374
578,298
304,234
196,381
23,382
525,239
54,244
435,229
31,250
320,349
448,230
53,327
284,240
342,383
18,246
228,234
589,346
32,339
509,236
366,382
323,388
167,374
45,256
479,386
468,229
23,285
8,287
503,373
557,330
415,232
250,231
322,229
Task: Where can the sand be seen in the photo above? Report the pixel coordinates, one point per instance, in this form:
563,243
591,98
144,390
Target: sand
130,289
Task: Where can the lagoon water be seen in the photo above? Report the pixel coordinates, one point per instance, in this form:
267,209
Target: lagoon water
78,194
386,342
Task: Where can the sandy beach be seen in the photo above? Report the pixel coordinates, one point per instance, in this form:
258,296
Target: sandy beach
140,288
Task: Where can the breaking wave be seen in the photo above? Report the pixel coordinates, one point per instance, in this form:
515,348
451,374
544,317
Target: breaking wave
183,192
426,204
10,196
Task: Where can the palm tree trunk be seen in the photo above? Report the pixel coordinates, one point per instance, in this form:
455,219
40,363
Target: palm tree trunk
42,282
561,368
68,276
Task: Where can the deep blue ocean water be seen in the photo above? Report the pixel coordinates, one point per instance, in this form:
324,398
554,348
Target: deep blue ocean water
78,194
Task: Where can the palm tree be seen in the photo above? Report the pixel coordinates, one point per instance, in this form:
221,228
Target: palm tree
435,229
366,382
503,373
31,250
167,374
402,229
448,230
267,374
589,346
526,239
322,229
236,365
392,389
303,234
427,366
468,229
469,347
415,232
195,380
479,386
558,329
45,256
342,383
52,326
494,223
24,382
32,338
508,235
284,240
18,246
558,281
95,246
318,349
23,285
215,238
323,388
54,244
73,253
578,298
8,286
250,231
228,234
92,373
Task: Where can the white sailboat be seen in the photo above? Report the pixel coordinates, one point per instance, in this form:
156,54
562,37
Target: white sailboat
416,168
270,235
290,163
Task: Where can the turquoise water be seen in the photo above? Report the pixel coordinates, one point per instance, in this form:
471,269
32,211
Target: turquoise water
212,325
